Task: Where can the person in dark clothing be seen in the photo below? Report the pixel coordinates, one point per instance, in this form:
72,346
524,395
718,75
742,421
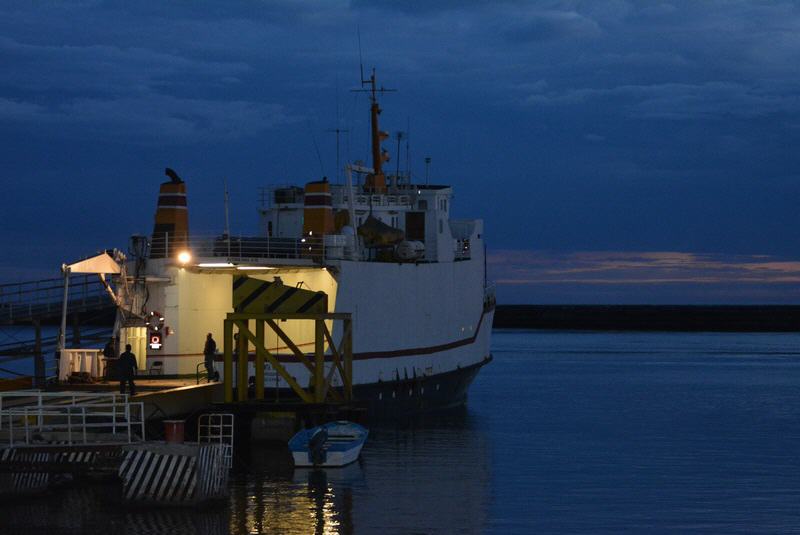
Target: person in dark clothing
208,352
126,370
108,351
109,355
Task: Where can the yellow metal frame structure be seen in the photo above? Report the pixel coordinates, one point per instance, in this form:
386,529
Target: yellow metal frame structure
320,390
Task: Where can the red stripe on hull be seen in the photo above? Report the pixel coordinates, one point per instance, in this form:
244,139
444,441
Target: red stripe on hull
289,358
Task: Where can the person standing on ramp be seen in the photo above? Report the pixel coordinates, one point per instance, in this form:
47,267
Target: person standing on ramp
126,368
209,351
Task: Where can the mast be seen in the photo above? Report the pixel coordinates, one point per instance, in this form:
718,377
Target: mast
376,181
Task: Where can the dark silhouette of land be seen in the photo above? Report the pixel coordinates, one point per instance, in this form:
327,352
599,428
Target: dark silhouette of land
758,318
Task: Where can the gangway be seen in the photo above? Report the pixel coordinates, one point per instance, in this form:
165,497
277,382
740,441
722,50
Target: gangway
25,302
40,302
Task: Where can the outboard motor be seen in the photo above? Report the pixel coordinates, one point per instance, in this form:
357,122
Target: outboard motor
316,447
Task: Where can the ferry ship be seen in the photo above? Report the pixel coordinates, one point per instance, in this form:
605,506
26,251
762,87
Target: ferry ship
379,247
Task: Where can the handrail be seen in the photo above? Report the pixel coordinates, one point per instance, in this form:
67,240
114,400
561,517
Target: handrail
82,412
57,281
23,301
38,398
217,428
237,248
56,285
198,374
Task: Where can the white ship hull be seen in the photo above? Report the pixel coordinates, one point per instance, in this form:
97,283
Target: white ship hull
412,323
381,248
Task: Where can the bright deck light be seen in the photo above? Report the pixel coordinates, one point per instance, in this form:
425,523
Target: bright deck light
215,265
184,257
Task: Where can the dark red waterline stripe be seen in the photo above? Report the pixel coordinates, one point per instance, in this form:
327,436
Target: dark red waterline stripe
387,354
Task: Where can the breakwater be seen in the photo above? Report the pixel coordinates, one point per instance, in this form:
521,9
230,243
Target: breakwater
758,318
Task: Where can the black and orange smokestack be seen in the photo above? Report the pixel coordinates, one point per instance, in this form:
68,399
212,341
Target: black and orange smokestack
318,209
171,230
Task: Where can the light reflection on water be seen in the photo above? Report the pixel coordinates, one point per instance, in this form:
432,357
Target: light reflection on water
427,476
430,476
563,433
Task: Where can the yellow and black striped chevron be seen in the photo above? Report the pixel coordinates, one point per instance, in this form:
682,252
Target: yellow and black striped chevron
255,296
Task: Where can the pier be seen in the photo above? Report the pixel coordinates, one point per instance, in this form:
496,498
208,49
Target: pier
47,436
242,392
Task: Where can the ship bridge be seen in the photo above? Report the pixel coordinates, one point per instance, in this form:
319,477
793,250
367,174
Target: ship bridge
416,217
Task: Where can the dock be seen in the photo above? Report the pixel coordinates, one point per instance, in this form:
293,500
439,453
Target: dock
261,413
47,438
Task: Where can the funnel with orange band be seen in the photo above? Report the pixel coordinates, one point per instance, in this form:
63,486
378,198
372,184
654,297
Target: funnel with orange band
171,230
318,209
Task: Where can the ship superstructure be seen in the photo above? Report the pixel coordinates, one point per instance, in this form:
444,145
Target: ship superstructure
379,247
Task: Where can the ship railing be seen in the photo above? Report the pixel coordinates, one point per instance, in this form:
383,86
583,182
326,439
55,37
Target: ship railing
70,417
30,299
239,248
363,200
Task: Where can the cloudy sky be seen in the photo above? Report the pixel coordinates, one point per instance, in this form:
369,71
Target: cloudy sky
619,151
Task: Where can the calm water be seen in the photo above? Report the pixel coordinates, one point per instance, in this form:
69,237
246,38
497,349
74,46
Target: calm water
564,433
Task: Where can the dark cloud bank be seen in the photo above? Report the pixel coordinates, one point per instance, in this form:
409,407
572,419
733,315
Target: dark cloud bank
569,126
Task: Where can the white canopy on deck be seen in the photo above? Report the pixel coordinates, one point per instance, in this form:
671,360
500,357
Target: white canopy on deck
99,264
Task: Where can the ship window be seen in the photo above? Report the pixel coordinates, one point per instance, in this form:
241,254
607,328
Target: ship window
269,228
415,226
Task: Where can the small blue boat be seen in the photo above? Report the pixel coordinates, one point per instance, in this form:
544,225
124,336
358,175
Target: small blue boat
333,444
